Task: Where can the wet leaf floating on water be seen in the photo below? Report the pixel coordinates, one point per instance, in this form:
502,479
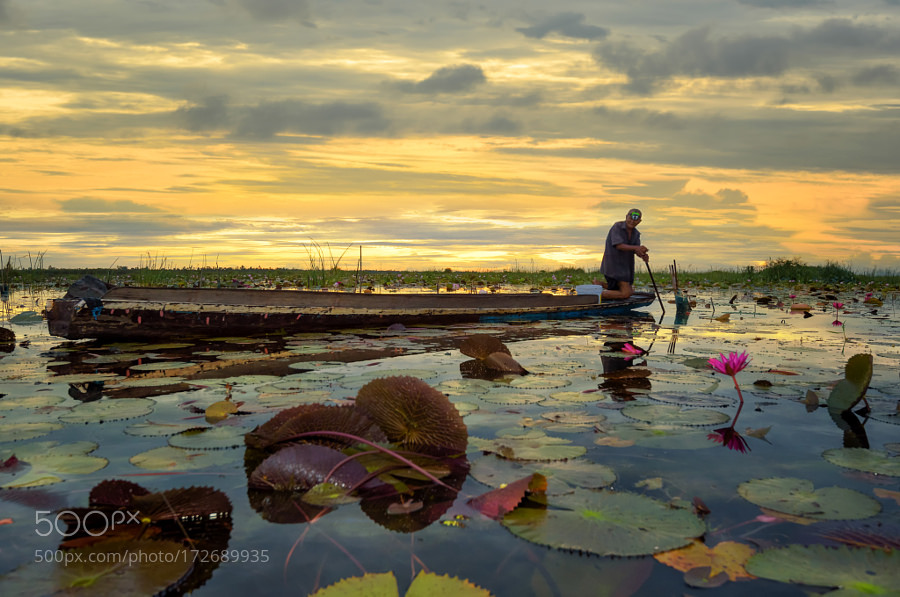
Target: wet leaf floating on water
857,571
219,411
92,570
500,361
871,461
14,432
481,346
667,437
108,410
426,584
511,398
299,468
151,429
673,415
497,503
162,366
534,382
29,402
182,503
561,476
464,387
556,367
728,557
691,400
606,523
27,318
798,498
208,438
168,458
413,414
50,461
542,448
578,397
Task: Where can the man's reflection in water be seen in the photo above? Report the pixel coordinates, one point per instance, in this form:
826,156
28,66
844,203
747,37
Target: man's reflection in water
625,374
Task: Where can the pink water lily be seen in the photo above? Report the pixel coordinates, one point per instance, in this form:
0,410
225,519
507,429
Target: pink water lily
632,349
838,305
731,365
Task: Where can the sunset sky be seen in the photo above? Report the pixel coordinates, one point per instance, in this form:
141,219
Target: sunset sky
464,134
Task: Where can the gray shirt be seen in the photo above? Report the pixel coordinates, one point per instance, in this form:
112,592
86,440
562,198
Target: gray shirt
619,265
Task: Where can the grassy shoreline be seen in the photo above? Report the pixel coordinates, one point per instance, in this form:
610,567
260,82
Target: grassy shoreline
777,272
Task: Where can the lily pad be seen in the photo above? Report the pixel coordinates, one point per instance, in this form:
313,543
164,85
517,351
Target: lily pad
648,435
209,438
857,571
13,432
541,447
578,397
878,462
109,410
673,415
168,458
50,461
426,584
797,497
151,429
510,398
607,524
30,402
534,382
105,568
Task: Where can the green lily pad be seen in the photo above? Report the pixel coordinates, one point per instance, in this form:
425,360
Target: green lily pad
14,432
561,476
30,402
109,410
871,461
161,366
168,458
578,397
510,398
426,584
556,367
532,382
648,435
541,448
49,460
858,571
149,568
691,400
464,387
26,318
209,438
673,415
797,497
606,523
151,429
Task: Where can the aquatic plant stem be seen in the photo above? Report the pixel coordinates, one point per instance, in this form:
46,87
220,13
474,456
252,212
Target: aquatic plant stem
738,388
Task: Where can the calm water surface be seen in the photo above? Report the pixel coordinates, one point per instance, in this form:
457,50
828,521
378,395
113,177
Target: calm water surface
581,389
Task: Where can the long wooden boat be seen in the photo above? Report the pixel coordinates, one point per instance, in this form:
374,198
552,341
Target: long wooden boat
125,312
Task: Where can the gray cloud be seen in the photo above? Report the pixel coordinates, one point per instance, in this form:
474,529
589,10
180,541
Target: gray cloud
294,116
278,10
211,114
567,24
697,53
883,74
99,206
784,3
449,79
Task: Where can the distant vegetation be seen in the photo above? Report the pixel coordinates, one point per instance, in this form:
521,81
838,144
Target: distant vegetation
31,272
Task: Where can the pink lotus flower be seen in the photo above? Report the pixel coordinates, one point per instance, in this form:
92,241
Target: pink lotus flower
632,349
731,364
838,305
837,323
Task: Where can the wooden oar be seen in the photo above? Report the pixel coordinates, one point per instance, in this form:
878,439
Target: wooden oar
650,271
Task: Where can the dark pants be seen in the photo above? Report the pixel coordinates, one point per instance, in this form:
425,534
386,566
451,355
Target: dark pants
611,283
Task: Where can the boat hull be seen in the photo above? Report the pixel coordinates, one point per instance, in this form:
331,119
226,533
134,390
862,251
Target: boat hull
155,313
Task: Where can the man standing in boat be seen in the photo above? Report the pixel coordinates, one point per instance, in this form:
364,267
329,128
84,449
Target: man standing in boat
623,242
